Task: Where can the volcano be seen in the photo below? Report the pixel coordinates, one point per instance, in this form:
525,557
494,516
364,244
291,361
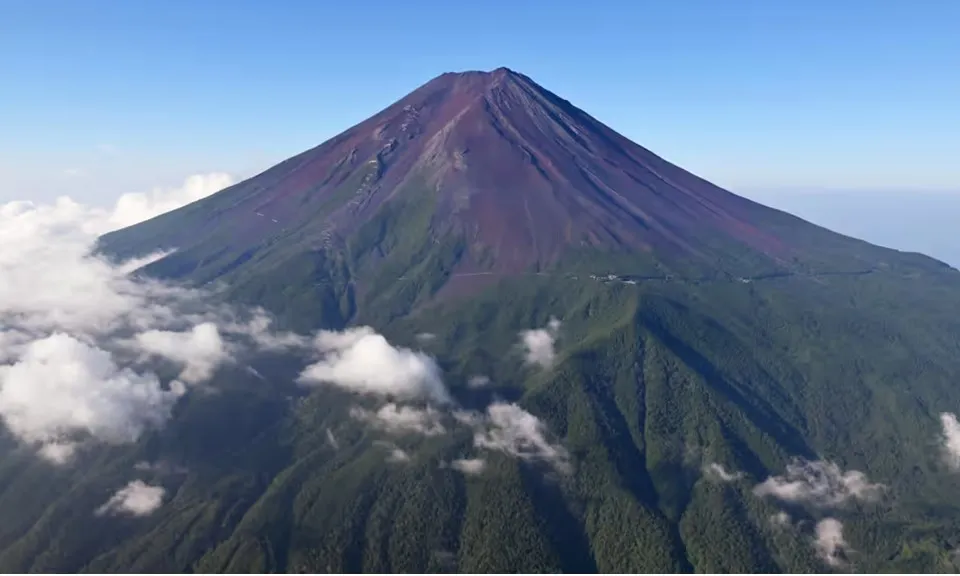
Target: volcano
476,176
717,386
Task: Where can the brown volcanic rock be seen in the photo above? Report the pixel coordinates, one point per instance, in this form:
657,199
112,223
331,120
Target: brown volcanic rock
520,171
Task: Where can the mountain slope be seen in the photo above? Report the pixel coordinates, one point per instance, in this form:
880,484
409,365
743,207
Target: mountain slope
706,342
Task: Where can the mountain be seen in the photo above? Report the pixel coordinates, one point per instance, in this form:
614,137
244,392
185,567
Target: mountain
709,384
469,178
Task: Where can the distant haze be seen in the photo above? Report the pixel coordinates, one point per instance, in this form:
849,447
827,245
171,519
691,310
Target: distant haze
922,222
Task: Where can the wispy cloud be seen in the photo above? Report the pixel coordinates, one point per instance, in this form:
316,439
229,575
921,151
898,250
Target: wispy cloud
478,381
510,429
134,499
718,472
538,344
395,419
819,484
332,440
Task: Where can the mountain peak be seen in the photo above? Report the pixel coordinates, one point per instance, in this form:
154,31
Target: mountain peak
499,174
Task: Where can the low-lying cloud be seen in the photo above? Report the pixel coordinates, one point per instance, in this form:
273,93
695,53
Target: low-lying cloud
199,350
717,472
135,499
512,430
538,344
80,332
360,360
829,542
395,419
61,387
140,206
820,484
951,439
469,466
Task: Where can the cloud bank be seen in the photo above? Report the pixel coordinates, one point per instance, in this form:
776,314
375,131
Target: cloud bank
538,344
134,499
79,332
140,206
820,484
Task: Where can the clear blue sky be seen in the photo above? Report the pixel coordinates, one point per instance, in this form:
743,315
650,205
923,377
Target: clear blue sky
104,96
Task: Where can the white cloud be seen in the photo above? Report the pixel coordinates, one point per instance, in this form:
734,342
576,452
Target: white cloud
395,419
510,429
137,207
469,465
781,519
135,499
538,344
951,439
819,483
200,350
426,336
360,360
829,541
398,455
478,381
58,452
718,472
62,386
159,467
72,322
332,440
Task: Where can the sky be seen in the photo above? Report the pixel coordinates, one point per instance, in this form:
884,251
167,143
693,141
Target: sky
102,97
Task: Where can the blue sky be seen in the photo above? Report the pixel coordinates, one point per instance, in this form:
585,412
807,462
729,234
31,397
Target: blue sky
101,97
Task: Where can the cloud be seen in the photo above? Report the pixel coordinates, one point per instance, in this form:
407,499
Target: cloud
398,456
199,350
538,344
829,541
951,439
819,483
134,499
61,387
426,336
79,332
360,360
512,430
394,454
395,419
159,467
332,440
478,381
718,472
781,519
137,207
58,452
469,466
